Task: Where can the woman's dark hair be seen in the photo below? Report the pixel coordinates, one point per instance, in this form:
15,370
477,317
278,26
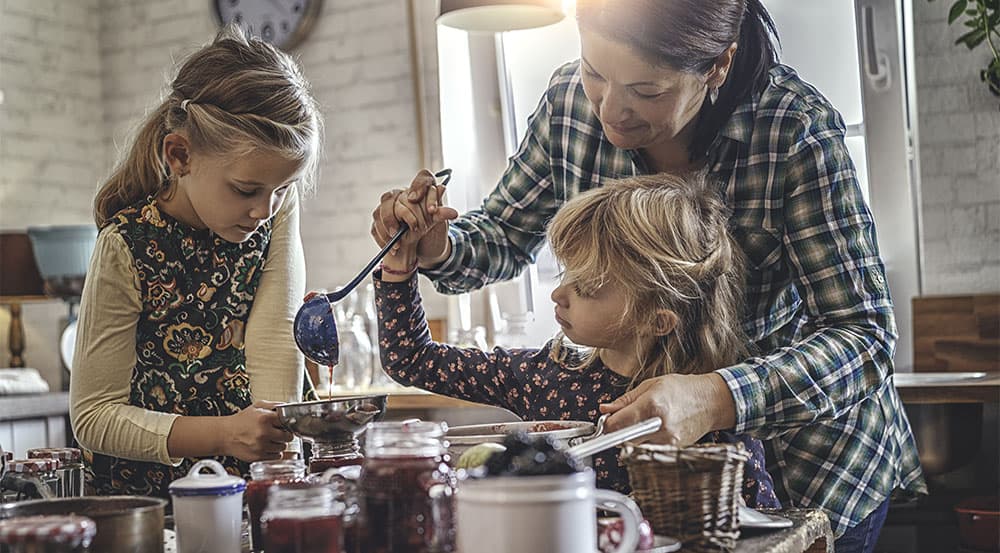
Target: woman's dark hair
689,35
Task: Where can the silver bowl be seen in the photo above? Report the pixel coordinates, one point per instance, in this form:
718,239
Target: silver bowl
332,420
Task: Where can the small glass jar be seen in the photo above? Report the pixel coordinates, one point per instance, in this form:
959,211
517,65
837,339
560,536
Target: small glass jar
33,478
47,534
303,517
263,475
407,489
70,472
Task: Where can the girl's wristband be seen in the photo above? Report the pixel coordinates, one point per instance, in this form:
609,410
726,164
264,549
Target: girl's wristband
394,272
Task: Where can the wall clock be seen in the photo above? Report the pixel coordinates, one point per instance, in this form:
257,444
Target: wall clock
283,23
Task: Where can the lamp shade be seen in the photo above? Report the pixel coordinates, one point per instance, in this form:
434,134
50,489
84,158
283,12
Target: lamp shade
496,16
19,274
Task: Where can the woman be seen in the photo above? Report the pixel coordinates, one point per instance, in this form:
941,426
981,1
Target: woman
688,85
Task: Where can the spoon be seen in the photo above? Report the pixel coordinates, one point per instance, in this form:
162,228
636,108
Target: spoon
315,326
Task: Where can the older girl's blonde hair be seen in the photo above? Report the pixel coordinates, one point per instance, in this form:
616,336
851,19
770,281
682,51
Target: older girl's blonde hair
232,97
664,240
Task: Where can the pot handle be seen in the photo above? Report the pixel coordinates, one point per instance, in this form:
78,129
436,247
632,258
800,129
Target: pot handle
630,513
598,431
612,439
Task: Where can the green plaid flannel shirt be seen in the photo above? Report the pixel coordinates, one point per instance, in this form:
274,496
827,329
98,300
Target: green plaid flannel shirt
821,397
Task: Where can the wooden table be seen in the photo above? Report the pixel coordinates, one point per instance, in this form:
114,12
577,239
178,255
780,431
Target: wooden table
810,533
409,398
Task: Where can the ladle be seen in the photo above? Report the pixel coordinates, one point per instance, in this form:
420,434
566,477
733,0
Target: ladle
315,326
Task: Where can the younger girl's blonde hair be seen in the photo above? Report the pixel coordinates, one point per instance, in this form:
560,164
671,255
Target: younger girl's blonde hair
232,97
664,240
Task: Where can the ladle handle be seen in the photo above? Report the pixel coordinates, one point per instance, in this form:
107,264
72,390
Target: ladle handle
342,292
403,227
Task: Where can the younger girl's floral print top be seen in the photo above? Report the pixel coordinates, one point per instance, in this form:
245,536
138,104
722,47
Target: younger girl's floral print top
526,382
197,291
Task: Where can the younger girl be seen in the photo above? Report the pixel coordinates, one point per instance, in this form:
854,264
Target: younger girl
651,286
184,337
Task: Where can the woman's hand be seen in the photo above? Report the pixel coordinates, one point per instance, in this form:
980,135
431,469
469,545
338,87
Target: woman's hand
420,207
254,434
690,406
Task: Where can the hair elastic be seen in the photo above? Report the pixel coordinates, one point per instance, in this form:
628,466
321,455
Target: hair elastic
184,104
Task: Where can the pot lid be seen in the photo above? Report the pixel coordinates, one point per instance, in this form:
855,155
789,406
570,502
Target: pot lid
217,482
70,530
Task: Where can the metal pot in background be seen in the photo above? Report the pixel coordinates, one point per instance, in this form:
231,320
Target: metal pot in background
125,524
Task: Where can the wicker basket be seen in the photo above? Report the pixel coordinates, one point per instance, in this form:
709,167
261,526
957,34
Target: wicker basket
690,493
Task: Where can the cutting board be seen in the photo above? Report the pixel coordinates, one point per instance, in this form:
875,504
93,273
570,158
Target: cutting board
956,333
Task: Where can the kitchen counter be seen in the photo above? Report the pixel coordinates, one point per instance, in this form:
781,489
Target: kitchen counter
30,406
938,388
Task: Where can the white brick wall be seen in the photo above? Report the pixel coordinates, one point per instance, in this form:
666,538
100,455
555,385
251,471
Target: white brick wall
78,83
959,126
51,139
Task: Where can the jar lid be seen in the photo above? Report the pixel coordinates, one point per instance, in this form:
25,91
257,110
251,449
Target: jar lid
25,466
218,482
70,454
69,530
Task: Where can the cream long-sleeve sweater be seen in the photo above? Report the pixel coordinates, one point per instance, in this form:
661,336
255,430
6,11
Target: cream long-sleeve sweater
102,419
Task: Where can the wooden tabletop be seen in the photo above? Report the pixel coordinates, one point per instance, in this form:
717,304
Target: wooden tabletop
810,533
410,398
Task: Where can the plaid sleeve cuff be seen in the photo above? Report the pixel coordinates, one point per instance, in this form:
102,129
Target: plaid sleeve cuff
747,383
449,268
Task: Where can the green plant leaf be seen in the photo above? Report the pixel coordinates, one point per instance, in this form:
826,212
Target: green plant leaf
956,10
973,23
972,38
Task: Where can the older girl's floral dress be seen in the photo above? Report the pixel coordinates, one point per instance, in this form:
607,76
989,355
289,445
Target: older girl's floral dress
197,290
527,382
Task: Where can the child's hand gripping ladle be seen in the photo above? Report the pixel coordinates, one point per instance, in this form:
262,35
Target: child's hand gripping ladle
315,326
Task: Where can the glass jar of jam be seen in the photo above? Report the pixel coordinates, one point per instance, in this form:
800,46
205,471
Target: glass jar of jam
334,455
33,478
407,489
344,483
303,517
47,534
263,475
70,472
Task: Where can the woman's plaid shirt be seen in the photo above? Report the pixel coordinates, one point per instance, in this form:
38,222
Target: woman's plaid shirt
822,397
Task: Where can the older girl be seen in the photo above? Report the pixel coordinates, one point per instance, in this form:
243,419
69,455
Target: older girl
185,325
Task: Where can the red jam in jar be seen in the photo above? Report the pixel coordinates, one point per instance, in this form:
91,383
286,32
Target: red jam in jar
303,518
265,474
407,490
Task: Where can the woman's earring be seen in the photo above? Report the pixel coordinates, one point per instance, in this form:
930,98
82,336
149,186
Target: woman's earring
713,95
